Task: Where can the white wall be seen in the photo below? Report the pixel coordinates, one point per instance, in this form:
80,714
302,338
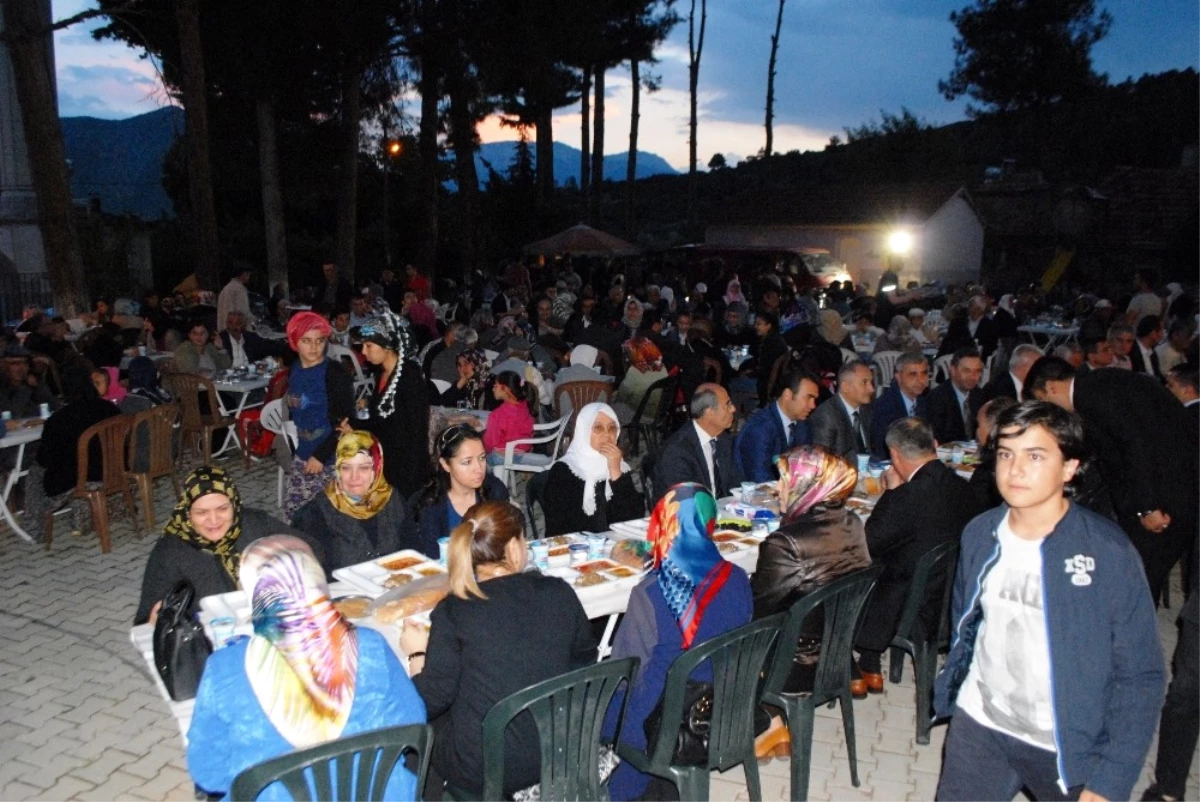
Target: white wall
953,243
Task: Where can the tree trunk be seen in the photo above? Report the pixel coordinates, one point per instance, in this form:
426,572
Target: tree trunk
346,237
767,149
635,102
585,132
427,186
272,197
695,49
598,130
462,135
545,153
195,101
33,74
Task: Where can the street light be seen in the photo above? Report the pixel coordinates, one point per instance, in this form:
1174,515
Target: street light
391,148
900,242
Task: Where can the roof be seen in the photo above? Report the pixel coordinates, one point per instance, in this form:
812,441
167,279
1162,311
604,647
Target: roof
837,204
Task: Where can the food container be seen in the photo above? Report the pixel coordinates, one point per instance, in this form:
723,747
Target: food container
578,553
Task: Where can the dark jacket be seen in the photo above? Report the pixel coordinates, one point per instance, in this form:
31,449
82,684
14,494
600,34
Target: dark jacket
832,428
564,503
761,439
1106,665
59,445
339,392
406,467
257,347
1001,386
958,335
886,410
682,460
944,413
431,519
769,351
172,560
345,540
930,509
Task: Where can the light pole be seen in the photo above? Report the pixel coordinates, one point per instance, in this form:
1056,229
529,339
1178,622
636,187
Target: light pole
391,149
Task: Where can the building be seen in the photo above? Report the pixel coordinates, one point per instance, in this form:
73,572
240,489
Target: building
925,232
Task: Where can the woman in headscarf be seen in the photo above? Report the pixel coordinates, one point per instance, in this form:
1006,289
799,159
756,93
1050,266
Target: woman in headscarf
203,541
733,293
631,320
818,541
398,407
320,396
899,337
833,331
145,391
691,595
645,368
359,516
108,385
473,377
305,677
591,487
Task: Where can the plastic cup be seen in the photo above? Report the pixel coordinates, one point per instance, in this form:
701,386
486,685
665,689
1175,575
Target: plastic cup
578,553
44,411
222,629
760,528
748,489
141,350
864,461
5,415
595,542
541,553
443,547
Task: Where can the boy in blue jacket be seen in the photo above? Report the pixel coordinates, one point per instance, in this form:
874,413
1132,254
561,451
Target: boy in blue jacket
1055,673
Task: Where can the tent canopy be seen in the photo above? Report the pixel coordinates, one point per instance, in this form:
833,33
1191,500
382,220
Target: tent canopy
583,240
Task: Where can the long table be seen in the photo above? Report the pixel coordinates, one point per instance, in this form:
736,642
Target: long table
18,438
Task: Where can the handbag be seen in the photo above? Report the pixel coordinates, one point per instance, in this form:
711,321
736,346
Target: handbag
180,646
691,744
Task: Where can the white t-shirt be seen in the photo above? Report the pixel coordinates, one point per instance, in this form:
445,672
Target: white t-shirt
1008,685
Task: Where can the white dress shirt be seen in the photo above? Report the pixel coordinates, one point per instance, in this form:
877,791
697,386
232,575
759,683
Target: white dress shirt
705,439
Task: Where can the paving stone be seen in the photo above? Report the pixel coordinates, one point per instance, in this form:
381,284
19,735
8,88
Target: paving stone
65,788
115,787
18,790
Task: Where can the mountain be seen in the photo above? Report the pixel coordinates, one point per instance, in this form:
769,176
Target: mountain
120,161
566,162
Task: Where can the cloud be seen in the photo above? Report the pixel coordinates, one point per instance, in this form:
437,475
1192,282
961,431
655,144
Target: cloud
84,106
112,90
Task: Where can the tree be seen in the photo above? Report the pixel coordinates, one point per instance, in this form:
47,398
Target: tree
717,162
771,83
695,49
1024,54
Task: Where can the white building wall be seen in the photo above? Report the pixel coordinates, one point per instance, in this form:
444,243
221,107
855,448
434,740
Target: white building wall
953,243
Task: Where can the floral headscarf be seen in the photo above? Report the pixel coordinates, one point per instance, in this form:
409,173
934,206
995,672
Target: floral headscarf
350,445
690,569
202,482
810,476
302,323
832,330
388,330
643,354
483,374
302,662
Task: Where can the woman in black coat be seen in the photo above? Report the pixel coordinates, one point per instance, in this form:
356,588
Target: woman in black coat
461,480
591,488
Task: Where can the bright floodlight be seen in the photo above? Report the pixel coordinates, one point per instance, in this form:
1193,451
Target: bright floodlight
900,242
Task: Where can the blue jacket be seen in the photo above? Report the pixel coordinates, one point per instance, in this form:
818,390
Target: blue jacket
889,408
761,439
1106,664
432,521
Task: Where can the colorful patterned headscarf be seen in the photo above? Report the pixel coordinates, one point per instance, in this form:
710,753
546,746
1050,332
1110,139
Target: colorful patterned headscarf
201,482
350,445
643,354
390,331
691,571
302,323
811,476
302,662
483,374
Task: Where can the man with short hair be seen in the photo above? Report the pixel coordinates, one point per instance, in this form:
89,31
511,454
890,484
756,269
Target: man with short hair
360,310
953,404
1145,301
1120,337
976,329
924,504
701,451
234,297
20,391
1010,383
1183,384
905,398
1134,427
1097,354
1142,357
201,351
777,427
334,292
244,346
842,423
1055,672
1173,350
447,343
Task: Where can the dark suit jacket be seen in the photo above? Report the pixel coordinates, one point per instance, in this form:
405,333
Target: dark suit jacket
761,439
945,414
257,347
682,460
887,409
1139,364
958,335
1001,386
831,428
929,510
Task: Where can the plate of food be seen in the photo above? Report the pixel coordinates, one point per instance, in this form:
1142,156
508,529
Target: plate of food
635,528
389,572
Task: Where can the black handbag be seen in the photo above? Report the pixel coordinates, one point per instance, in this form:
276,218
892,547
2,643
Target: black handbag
180,646
691,745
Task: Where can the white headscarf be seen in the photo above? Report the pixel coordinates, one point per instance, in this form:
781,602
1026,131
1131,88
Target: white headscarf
586,462
1006,303
584,355
668,295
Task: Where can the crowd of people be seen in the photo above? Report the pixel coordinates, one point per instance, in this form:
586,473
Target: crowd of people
1054,679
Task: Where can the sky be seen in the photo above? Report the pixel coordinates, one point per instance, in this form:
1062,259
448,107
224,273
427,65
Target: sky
840,63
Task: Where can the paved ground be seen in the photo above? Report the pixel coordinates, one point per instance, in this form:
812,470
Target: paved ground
80,719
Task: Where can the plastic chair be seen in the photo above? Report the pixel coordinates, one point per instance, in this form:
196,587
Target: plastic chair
941,370
604,363
568,711
911,636
342,354
659,425
441,384
272,420
535,490
737,663
531,462
158,425
194,424
849,356
354,768
712,370
777,370
842,601
581,394
112,436
884,365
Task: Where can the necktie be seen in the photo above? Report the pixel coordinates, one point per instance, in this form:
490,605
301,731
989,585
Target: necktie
1154,370
794,434
856,420
716,468
966,416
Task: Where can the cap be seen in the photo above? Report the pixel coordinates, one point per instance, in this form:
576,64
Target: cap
1103,303
916,311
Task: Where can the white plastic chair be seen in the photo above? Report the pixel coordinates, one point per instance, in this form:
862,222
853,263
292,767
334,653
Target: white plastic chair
492,356
441,384
941,370
362,383
272,420
530,462
990,367
849,356
884,364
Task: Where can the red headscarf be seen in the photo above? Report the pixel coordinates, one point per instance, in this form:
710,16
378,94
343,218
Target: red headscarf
302,323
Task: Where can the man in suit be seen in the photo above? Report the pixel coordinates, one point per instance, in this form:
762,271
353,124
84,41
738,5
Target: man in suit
1134,428
1010,383
953,404
333,293
842,423
975,329
701,450
777,427
1096,354
924,504
1184,383
1142,357
905,398
244,346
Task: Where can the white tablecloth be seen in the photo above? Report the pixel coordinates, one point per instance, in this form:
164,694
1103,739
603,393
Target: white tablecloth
18,439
